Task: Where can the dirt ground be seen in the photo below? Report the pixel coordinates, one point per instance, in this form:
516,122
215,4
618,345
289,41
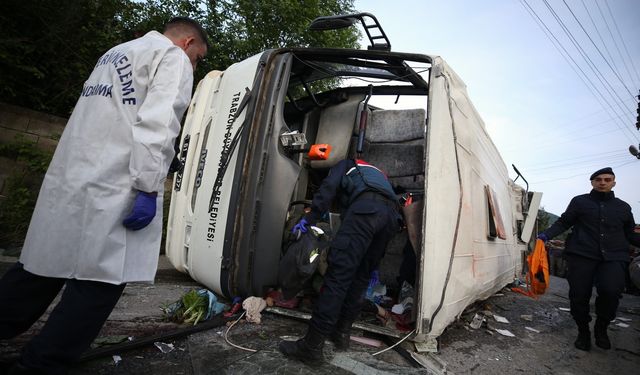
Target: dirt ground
542,344
544,334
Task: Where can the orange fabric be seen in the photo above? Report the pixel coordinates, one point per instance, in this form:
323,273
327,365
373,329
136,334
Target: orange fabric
538,272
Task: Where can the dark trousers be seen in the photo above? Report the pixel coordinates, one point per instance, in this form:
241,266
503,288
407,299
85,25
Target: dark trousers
72,325
367,226
408,266
609,279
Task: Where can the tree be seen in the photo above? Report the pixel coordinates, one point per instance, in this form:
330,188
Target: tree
48,48
249,27
545,220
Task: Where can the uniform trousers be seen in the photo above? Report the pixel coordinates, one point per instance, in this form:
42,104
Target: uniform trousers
367,226
73,324
609,279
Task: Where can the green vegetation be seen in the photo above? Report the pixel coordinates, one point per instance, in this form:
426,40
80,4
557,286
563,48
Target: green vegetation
545,220
48,48
191,308
21,189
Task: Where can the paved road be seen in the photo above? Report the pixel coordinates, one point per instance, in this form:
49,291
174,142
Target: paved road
545,347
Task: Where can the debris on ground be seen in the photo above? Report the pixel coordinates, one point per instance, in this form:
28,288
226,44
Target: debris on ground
253,306
236,305
193,307
477,321
505,332
367,341
276,298
110,340
164,347
527,317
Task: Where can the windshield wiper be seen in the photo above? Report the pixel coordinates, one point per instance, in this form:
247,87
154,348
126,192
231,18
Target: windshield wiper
226,155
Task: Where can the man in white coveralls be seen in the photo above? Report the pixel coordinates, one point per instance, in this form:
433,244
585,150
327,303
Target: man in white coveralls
97,223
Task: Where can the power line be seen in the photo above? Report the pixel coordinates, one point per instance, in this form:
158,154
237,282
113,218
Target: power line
625,47
598,32
557,44
605,83
572,166
553,144
578,167
577,175
563,130
577,159
598,49
607,107
567,56
582,159
575,139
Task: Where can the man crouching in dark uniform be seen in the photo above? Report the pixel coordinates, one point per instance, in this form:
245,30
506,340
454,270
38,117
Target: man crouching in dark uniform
370,217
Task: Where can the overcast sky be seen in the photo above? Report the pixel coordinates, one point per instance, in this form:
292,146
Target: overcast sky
554,124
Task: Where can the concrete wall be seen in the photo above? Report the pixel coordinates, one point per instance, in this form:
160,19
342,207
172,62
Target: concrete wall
42,129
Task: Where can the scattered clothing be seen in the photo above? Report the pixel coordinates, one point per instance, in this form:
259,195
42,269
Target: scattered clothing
254,306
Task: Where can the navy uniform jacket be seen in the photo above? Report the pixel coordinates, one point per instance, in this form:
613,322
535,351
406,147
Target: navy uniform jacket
348,178
602,227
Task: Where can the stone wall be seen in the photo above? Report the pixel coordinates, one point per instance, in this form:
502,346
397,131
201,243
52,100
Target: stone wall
44,130
16,123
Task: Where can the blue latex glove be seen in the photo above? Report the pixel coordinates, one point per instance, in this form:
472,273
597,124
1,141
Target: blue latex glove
144,209
543,237
301,226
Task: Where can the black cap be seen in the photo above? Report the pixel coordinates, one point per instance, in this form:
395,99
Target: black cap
597,173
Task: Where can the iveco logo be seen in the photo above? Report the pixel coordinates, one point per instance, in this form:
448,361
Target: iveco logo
203,159
183,160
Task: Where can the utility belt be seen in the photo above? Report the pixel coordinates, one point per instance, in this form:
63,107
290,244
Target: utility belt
375,196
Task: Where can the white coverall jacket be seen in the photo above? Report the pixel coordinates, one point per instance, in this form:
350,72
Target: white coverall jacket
118,141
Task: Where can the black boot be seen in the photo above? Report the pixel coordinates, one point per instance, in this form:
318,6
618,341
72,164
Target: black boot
341,336
583,342
308,348
600,333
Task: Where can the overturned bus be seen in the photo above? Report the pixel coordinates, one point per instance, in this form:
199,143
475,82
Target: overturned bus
247,172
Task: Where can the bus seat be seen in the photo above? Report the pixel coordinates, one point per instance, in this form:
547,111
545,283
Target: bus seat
394,142
335,127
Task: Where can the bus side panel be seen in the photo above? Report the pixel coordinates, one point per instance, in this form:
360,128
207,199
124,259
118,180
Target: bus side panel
199,235
269,188
180,218
462,261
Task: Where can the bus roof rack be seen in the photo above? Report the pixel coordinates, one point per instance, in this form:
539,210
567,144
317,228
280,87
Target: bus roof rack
347,20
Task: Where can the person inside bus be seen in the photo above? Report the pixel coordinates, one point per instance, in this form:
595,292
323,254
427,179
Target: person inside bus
370,217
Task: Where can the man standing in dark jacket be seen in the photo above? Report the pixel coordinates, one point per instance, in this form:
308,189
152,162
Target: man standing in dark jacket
370,217
597,252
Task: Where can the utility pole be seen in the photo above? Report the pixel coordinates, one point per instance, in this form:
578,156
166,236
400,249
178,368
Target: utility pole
638,112
632,149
